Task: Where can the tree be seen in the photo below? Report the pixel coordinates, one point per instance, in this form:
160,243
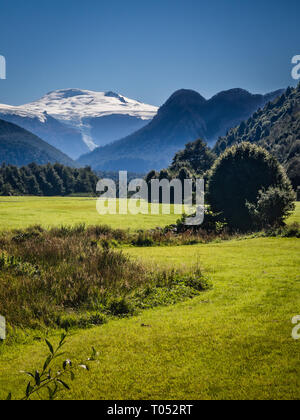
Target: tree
293,171
48,180
237,178
196,156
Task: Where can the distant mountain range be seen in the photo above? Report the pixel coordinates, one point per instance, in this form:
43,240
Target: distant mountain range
77,121
20,147
185,117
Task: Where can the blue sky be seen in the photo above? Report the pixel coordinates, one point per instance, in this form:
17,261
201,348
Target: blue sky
146,49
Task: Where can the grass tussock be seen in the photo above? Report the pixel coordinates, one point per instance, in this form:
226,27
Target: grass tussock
72,277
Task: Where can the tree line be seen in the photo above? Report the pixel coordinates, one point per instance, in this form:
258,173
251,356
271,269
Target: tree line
46,180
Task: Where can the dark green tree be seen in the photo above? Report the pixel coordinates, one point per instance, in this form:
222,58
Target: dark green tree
237,178
196,155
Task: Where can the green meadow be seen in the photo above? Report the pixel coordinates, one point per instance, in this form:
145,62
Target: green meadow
231,342
21,212
295,218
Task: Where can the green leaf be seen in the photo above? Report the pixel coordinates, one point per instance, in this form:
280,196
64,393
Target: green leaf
62,339
50,393
9,397
58,355
28,390
37,378
50,346
63,384
93,355
27,373
47,362
72,375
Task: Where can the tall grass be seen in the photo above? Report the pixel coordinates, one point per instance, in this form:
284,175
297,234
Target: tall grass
71,275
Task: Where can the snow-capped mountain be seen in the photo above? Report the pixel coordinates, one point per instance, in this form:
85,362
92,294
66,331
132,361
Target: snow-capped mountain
77,121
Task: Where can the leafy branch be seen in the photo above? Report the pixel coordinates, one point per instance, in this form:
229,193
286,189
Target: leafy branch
50,381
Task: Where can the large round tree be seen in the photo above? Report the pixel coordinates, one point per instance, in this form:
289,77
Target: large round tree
238,177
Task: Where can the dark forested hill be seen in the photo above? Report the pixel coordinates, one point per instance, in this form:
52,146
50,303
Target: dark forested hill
185,117
276,127
20,147
61,136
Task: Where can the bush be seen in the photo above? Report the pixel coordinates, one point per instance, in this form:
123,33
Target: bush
120,306
272,207
287,231
238,176
143,240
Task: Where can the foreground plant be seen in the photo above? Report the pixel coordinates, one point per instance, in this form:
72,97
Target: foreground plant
48,383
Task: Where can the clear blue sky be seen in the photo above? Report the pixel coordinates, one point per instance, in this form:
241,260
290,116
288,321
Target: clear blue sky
146,49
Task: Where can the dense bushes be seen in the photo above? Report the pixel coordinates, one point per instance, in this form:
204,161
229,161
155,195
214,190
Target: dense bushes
272,207
247,185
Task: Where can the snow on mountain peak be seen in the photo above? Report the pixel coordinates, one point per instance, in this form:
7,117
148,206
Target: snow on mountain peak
75,107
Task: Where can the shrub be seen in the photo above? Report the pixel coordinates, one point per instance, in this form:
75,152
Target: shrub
238,176
143,240
197,281
272,207
120,306
287,231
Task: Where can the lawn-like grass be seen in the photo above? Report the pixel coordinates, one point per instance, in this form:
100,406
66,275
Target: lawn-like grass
296,216
231,342
21,212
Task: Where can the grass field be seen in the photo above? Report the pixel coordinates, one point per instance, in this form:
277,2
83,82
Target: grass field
233,342
296,216
20,212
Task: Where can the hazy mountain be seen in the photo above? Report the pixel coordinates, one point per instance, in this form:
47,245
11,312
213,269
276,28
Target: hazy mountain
185,117
59,135
76,121
20,147
276,128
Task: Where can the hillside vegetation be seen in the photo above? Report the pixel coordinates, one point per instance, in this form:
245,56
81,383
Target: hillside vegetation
276,127
184,117
20,147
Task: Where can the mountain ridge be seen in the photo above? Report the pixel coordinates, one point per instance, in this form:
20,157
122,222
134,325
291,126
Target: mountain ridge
276,127
184,117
